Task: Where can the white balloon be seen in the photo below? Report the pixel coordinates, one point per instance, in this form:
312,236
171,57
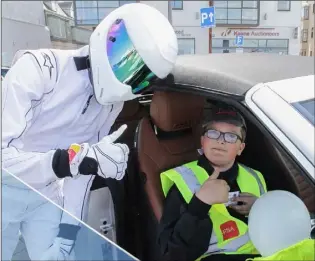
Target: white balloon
277,220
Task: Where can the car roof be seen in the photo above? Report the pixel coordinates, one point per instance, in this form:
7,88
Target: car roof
288,91
236,73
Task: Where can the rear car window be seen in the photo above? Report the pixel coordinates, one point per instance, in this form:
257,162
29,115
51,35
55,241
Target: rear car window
307,109
4,71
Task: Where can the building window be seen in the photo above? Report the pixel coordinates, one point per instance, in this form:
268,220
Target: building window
311,53
313,8
226,43
312,32
84,4
177,5
186,45
303,52
57,27
108,4
237,12
306,12
279,46
284,5
304,35
92,12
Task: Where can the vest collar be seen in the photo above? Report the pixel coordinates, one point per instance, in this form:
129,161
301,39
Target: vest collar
229,175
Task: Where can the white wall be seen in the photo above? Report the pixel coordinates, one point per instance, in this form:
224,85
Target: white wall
189,16
187,25
162,6
186,22
201,36
290,18
26,11
19,35
23,27
283,21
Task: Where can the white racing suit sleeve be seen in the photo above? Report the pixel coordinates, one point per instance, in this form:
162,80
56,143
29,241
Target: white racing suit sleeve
23,89
76,190
76,193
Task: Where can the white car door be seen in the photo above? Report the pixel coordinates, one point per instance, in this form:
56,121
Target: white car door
286,108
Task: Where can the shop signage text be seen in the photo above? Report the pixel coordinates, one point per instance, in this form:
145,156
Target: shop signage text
250,33
182,33
256,33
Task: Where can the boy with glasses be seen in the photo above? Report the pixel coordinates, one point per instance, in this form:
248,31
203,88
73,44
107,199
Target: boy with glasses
208,201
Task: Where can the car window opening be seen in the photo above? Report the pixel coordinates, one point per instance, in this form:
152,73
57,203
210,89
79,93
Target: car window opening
307,109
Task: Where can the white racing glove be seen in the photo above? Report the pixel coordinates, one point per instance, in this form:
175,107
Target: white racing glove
75,201
60,250
105,158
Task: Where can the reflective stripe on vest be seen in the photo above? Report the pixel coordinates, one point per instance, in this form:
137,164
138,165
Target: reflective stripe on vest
232,246
251,171
194,185
188,182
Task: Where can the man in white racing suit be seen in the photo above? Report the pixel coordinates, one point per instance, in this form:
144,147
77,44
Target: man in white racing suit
57,109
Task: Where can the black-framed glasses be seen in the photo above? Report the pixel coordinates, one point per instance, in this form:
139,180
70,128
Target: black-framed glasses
228,137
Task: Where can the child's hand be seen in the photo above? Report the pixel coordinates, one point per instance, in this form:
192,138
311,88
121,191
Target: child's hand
248,201
214,190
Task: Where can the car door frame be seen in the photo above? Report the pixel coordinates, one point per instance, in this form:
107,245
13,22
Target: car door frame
262,112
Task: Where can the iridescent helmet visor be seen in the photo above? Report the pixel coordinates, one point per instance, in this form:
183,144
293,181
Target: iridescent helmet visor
126,63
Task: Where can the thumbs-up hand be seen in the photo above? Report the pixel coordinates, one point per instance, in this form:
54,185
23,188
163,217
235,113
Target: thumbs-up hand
115,135
105,158
214,190
111,157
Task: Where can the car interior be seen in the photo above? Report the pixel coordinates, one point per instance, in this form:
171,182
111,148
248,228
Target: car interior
164,132
164,129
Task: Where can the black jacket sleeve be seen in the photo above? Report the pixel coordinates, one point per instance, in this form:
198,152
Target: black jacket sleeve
185,229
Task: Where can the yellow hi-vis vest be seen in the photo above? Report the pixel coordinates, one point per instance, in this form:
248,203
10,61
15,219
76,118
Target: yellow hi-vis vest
229,235
302,251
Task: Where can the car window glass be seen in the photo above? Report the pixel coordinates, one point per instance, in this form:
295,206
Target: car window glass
306,108
4,72
88,245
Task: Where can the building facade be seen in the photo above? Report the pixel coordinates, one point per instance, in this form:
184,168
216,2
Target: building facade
23,27
307,29
39,24
60,21
267,26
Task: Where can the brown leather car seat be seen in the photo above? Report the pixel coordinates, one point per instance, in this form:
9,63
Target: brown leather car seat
168,138
131,114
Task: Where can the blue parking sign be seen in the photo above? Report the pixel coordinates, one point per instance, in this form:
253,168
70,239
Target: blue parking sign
239,41
207,17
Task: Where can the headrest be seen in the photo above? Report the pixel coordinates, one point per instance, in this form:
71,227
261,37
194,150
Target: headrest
130,109
174,111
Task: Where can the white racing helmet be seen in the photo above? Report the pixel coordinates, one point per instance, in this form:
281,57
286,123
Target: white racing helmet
133,46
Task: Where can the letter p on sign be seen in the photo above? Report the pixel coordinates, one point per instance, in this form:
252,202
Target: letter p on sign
204,16
207,17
